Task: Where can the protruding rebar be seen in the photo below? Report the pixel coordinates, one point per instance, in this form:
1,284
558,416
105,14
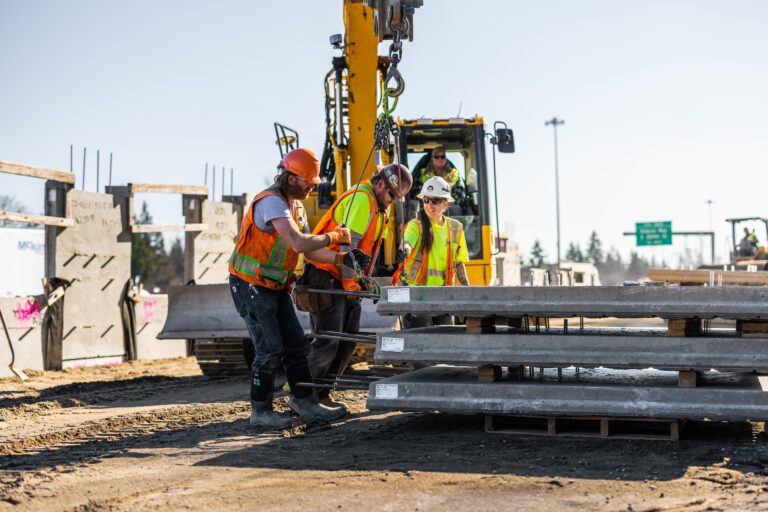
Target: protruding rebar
98,168
82,187
213,183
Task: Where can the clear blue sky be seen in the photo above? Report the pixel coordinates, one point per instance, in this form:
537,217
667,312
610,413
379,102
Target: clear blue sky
665,102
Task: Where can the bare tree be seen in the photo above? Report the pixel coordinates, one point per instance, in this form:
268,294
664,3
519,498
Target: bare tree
10,204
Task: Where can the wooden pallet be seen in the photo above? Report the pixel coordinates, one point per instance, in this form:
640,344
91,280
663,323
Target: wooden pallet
702,277
603,427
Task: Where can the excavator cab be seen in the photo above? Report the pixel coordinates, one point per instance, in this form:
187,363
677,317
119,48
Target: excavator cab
464,144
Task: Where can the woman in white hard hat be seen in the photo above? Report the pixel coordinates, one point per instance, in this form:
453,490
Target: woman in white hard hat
434,249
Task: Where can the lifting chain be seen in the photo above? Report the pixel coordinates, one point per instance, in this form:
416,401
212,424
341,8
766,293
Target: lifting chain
395,90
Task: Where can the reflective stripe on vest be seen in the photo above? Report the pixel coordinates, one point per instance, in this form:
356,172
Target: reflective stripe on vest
369,243
265,259
416,264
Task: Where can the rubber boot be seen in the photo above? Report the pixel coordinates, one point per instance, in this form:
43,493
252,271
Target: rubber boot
310,410
263,416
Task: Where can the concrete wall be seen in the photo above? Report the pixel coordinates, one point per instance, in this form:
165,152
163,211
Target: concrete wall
207,251
92,256
151,311
23,318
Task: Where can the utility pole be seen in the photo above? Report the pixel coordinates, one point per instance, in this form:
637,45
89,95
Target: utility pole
555,122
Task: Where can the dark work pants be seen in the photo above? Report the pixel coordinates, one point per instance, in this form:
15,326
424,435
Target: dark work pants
277,337
414,321
331,357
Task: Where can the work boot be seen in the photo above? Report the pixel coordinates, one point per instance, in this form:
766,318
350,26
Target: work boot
310,409
330,402
263,416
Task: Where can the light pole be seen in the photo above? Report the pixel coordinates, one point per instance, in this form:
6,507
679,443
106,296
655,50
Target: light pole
554,122
709,203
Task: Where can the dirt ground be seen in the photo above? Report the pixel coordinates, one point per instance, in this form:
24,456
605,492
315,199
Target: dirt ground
159,435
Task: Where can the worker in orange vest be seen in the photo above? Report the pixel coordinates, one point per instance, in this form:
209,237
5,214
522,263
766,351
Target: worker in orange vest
363,209
272,234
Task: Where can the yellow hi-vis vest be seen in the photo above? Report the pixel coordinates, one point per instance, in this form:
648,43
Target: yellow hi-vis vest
415,266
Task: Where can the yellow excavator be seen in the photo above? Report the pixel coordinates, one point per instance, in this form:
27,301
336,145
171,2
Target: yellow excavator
361,94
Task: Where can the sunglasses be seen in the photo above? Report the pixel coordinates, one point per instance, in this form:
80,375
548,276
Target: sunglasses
434,200
438,157
394,197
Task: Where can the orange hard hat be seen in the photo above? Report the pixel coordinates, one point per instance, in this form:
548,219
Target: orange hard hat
303,163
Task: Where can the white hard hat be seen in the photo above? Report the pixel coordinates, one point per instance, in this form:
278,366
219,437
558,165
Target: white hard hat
436,187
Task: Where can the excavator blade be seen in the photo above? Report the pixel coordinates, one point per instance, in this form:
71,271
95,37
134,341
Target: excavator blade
206,311
202,311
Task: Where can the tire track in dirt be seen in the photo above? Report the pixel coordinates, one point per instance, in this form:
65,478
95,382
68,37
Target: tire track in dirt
121,427
99,393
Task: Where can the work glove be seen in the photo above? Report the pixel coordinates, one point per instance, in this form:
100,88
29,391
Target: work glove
363,260
339,236
402,254
352,286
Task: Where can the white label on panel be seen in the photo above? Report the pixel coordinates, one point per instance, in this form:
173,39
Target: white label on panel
399,295
386,390
392,344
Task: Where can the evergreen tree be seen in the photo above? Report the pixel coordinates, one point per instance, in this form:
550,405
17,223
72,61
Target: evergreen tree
537,254
638,266
574,253
595,249
147,251
171,267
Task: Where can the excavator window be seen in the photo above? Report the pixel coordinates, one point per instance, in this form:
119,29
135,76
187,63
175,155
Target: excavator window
464,192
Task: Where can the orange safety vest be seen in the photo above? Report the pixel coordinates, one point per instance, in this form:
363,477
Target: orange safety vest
265,259
415,264
369,244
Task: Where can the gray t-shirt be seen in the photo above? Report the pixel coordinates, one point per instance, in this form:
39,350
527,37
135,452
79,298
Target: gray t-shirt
271,207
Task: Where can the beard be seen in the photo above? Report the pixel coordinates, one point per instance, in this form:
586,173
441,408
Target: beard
297,191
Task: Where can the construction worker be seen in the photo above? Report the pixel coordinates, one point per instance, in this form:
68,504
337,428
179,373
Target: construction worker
363,210
748,244
439,166
272,235
434,249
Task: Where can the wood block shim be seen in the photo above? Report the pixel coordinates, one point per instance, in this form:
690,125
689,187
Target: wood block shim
683,327
489,373
688,378
481,325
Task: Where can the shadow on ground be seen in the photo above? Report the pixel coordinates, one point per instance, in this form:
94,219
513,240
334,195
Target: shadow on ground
457,444
409,442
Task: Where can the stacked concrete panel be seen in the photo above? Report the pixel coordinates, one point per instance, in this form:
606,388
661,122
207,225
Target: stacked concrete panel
651,395
500,334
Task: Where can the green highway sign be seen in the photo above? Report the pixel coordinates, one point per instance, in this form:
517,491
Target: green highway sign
654,233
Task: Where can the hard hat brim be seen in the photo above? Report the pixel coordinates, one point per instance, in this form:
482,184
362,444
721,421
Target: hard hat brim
450,199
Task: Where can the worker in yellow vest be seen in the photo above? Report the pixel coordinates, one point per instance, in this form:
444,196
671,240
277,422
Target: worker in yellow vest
272,234
364,210
434,249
